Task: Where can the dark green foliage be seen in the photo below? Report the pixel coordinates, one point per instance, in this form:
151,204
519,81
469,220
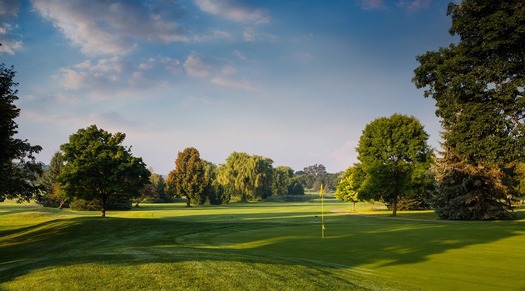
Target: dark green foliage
465,191
295,188
113,203
18,168
50,194
98,167
478,85
216,194
394,155
282,179
159,187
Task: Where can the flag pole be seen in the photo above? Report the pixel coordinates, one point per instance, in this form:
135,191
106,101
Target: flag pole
322,211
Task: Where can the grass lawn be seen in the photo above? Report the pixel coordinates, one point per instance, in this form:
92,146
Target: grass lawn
256,246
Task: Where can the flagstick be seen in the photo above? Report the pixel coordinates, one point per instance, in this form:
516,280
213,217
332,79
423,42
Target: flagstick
322,211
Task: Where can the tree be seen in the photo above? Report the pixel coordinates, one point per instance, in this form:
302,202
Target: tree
315,176
282,178
466,191
188,179
393,151
214,191
478,85
18,167
245,176
146,193
51,194
98,167
347,189
159,188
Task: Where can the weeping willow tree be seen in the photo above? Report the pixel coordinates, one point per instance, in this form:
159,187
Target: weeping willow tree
248,177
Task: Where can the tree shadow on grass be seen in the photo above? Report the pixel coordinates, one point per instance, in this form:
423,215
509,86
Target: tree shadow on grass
280,238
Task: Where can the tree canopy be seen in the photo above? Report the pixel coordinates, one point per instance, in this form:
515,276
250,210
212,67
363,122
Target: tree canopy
248,177
392,151
351,179
478,84
51,194
18,167
189,179
97,165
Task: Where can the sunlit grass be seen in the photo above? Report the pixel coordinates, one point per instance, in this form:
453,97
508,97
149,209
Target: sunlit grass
255,246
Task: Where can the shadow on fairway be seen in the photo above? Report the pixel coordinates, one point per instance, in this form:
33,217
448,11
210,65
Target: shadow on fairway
280,238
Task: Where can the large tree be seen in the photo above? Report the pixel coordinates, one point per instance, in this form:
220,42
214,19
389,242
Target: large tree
189,179
18,167
394,153
478,84
99,166
248,177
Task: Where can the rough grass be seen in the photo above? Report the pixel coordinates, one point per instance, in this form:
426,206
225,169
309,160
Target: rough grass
255,246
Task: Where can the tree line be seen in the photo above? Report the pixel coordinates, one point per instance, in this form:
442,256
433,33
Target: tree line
94,170
478,84
94,165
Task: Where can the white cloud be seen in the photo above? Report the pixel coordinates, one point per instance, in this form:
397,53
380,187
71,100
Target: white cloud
234,84
413,5
9,46
196,67
8,11
234,11
108,27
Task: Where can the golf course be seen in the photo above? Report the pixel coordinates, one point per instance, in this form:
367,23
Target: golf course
256,246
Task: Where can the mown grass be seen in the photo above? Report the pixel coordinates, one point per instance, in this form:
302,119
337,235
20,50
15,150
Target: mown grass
255,246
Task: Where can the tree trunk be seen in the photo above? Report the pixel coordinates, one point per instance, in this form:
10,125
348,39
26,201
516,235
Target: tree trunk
104,199
394,206
188,201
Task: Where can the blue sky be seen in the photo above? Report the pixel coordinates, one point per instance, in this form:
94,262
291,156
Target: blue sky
294,81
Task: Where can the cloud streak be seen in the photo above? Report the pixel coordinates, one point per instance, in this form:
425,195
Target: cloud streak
8,11
234,11
108,27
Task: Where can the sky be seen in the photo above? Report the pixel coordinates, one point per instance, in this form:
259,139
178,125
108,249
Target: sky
294,81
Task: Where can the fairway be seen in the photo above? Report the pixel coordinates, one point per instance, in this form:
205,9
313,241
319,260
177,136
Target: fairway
255,246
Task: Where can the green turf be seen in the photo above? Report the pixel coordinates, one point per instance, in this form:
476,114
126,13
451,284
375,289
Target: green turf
255,246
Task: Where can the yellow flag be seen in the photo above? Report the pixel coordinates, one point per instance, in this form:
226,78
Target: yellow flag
321,190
